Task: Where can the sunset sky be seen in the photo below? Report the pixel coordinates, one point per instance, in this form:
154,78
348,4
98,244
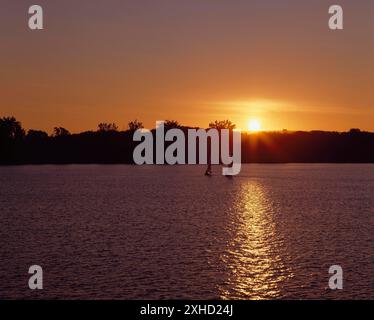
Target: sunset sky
194,61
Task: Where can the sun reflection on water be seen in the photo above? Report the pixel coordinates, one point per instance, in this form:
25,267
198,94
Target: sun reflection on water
255,255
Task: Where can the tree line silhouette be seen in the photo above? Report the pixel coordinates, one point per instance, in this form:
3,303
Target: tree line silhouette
109,145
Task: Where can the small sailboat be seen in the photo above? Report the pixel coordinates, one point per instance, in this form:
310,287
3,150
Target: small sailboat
208,171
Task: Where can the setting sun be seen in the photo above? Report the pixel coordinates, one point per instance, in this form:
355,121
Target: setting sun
254,125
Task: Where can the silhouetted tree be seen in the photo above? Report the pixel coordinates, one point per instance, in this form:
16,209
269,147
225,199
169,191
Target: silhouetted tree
11,140
105,127
35,135
224,124
354,131
135,125
170,124
11,129
60,132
